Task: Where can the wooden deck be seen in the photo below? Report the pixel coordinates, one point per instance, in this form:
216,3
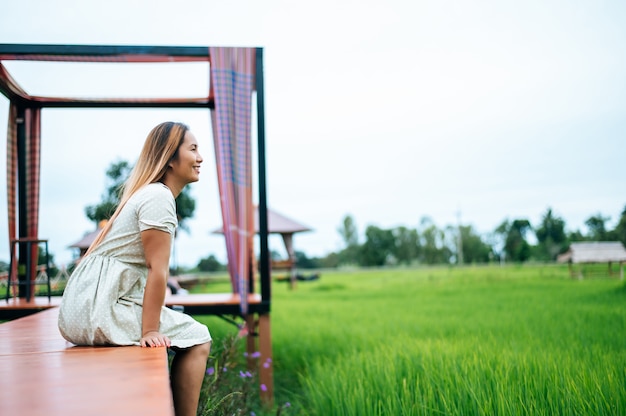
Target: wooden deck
35,356
42,374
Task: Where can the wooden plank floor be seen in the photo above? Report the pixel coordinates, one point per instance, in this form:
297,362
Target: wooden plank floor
42,374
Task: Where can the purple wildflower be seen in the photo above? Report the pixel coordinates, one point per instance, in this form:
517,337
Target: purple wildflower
210,371
256,354
263,387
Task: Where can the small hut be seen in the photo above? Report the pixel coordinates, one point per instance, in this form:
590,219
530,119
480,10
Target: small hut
595,252
280,224
83,244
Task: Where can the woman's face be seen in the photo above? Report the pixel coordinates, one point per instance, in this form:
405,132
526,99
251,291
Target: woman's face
186,165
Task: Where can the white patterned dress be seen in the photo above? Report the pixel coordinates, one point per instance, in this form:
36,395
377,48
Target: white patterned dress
102,302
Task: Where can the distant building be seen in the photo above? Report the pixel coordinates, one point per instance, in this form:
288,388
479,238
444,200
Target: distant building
83,244
593,253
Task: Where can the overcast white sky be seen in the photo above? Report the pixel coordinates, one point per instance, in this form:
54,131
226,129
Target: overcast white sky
388,111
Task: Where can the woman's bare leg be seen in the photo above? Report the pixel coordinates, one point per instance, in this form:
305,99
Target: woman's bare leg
187,373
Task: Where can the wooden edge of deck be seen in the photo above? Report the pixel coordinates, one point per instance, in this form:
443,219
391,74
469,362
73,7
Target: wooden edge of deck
217,299
37,302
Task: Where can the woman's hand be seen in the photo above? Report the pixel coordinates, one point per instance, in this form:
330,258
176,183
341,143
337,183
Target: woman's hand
154,339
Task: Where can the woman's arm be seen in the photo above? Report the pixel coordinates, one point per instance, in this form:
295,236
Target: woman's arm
156,246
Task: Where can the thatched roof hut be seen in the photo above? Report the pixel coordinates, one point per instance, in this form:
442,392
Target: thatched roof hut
595,252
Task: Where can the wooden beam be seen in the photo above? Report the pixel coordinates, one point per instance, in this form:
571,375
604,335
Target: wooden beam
41,51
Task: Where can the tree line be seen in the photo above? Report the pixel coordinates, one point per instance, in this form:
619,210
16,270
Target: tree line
428,244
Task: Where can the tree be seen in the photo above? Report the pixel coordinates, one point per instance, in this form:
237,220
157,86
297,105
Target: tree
551,237
348,231
350,236
378,247
117,173
516,247
597,228
619,233
407,245
185,207
475,250
305,262
210,264
434,250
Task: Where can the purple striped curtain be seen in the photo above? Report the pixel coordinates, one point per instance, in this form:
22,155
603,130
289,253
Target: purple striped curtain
232,83
32,124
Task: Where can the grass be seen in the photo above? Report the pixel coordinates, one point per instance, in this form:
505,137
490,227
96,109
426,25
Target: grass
514,340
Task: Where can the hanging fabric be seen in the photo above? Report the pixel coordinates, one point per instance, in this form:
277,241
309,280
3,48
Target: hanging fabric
30,119
12,184
232,83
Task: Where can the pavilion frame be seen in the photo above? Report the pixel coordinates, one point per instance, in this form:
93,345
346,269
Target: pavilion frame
157,54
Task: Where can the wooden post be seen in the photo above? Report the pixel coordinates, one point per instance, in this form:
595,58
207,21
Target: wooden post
266,369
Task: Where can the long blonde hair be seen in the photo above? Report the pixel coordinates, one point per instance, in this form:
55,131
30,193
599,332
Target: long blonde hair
161,146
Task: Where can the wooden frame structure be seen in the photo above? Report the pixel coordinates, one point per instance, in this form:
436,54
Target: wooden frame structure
259,299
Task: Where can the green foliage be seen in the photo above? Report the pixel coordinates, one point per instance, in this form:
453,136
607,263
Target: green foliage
620,230
185,207
551,237
429,244
41,259
348,231
407,246
117,173
433,242
330,261
116,176
349,234
516,246
304,262
228,384
210,264
597,227
378,247
475,250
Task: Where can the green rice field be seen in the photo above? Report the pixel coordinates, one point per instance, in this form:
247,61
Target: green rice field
485,340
